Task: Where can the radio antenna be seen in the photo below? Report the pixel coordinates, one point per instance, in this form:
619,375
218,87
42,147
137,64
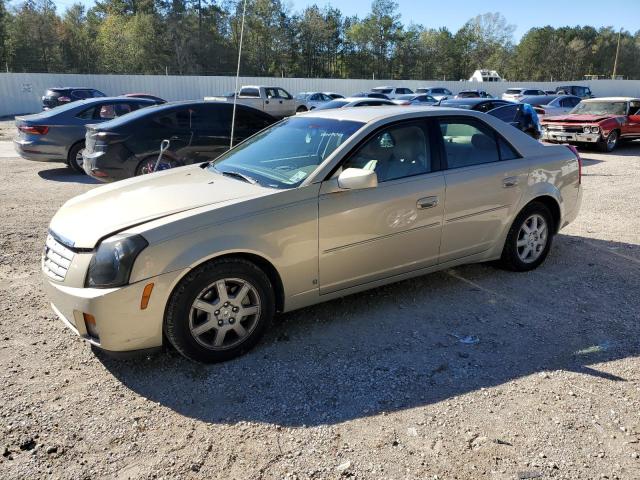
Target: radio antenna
235,92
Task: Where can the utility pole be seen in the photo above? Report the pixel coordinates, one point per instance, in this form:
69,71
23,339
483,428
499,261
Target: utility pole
615,63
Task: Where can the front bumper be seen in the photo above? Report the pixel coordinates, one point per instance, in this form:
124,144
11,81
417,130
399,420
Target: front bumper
555,136
121,323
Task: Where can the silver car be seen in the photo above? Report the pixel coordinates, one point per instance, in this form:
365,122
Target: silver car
550,105
316,207
392,92
306,101
415,100
439,93
351,102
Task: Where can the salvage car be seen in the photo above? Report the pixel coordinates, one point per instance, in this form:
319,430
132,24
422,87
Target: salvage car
602,122
57,135
196,131
552,104
316,207
275,101
439,93
352,102
56,96
309,100
392,92
415,100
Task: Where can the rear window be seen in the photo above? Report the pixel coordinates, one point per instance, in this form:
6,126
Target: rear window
250,92
531,92
382,90
513,91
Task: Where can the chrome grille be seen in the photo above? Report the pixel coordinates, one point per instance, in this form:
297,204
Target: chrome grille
56,259
564,128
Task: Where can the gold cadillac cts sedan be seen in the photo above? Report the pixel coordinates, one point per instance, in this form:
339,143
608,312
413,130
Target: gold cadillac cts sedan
317,206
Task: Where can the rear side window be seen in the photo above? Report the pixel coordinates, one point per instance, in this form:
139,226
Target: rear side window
468,143
179,119
506,113
250,92
97,93
80,94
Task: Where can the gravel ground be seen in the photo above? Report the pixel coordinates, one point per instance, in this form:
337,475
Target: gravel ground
7,128
373,386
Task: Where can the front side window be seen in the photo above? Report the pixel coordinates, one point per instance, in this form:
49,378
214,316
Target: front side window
284,155
79,94
395,152
180,119
282,93
468,143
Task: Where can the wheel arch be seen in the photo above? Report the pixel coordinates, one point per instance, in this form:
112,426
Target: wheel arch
554,207
261,262
72,146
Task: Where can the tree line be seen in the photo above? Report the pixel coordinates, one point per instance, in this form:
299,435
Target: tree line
201,37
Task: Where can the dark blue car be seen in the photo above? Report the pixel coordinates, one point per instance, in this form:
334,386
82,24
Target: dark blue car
57,135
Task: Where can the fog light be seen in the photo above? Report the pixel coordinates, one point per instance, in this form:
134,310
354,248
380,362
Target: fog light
90,325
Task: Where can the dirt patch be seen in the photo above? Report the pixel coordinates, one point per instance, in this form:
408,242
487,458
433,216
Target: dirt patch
375,385
7,129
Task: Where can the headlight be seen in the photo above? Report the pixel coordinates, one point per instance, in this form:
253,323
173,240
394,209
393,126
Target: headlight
586,129
112,263
595,129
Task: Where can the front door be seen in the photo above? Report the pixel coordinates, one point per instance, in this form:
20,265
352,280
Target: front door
485,178
371,234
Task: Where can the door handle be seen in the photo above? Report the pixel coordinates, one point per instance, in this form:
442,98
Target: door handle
510,182
427,202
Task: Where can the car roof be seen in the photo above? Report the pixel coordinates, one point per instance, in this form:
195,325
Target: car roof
611,99
369,114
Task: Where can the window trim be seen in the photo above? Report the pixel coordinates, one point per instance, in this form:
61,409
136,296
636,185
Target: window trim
427,124
470,119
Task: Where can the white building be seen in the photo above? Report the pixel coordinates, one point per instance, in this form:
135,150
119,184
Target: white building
485,76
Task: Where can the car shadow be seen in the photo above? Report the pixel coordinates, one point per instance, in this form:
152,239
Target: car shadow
66,175
416,342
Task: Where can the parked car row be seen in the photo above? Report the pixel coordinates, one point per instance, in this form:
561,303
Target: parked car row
315,207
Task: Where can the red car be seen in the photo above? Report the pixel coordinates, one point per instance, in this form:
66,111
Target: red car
603,122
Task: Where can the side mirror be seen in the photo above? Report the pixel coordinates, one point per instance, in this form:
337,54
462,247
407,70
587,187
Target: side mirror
357,179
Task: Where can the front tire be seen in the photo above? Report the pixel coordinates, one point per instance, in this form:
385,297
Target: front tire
74,158
220,310
529,239
610,143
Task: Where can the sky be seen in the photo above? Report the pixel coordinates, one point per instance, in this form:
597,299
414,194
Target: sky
454,13
523,14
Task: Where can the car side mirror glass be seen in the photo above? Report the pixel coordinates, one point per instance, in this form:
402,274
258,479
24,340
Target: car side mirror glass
357,179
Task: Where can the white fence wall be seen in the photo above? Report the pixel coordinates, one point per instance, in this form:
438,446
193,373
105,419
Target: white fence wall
21,92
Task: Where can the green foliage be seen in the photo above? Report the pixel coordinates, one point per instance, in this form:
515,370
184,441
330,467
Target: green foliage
202,37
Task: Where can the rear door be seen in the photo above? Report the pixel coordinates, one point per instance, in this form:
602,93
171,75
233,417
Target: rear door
485,178
211,126
173,125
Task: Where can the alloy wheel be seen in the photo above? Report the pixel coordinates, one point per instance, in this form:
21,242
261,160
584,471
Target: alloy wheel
224,314
532,238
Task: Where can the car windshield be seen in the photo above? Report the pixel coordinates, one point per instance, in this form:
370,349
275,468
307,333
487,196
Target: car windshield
332,104
600,108
285,154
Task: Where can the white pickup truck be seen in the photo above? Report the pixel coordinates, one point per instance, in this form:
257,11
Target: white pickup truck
275,101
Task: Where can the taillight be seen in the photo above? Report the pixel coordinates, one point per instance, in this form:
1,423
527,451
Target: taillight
34,129
64,99
577,154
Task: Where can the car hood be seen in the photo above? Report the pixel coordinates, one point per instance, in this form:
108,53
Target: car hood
578,118
86,219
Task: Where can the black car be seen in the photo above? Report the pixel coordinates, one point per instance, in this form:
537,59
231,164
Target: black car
197,132
56,96
370,95
520,115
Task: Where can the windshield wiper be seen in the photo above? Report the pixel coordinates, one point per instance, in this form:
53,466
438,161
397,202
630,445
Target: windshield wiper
241,176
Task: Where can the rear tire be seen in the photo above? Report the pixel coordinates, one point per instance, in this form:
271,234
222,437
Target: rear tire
301,109
529,239
220,310
74,158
